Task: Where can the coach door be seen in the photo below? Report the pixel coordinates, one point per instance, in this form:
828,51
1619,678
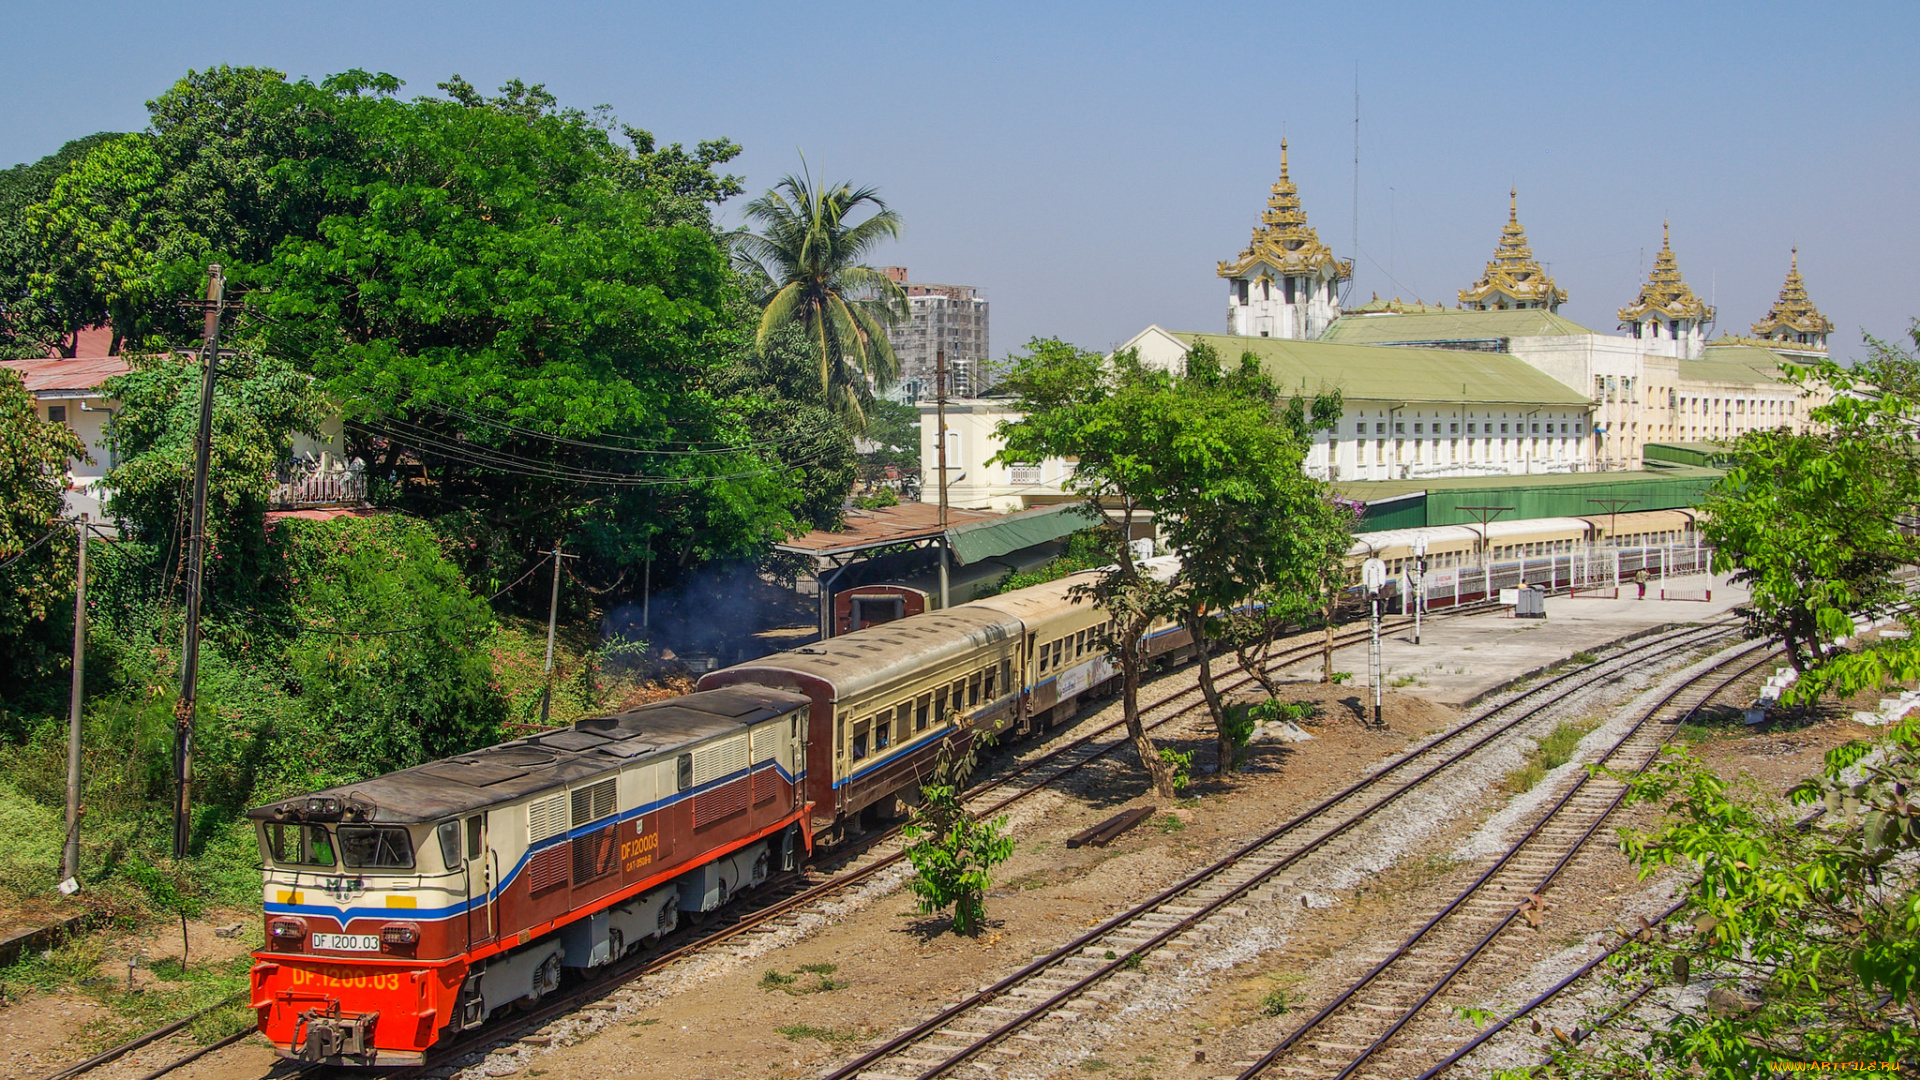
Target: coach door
480,879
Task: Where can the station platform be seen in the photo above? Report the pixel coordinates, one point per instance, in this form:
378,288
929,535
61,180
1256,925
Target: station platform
1463,658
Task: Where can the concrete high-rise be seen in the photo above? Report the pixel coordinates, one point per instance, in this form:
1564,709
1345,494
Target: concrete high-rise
950,316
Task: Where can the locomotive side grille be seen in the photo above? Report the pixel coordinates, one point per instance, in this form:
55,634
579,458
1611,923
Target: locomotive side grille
723,801
762,786
592,855
766,743
721,759
547,868
546,817
593,802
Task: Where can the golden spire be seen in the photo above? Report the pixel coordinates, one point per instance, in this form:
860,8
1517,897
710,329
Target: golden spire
1793,319
1283,240
1665,292
1513,278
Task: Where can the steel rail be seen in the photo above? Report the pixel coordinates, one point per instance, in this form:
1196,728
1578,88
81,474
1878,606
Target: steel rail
1656,648
1513,851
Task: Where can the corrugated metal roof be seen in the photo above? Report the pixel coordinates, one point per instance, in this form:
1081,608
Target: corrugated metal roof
52,376
1458,325
1377,373
979,540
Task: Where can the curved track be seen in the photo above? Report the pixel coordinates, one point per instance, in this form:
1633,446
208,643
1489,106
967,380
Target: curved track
1047,989
770,906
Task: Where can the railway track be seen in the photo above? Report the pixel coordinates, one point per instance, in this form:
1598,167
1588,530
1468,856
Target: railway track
1049,990
778,903
1373,1029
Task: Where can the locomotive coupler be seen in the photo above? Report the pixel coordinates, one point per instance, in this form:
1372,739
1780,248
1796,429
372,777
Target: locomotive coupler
333,1036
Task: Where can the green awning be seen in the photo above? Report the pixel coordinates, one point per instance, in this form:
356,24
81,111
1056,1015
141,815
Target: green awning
980,540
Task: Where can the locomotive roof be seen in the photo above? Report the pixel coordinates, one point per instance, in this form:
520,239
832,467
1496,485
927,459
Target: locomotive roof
498,774
877,655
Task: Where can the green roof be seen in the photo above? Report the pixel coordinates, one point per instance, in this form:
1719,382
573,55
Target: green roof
1458,325
1373,373
1369,490
979,540
1735,363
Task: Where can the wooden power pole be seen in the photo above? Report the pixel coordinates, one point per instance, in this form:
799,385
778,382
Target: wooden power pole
195,567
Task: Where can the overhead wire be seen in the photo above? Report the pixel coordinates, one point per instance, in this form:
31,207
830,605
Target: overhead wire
23,552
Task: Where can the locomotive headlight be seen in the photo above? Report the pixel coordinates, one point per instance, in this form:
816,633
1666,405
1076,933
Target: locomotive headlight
400,933
286,929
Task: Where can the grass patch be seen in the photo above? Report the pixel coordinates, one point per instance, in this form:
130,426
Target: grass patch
1553,751
1399,681
830,1036
1095,1065
1281,998
1168,823
1583,657
215,989
820,983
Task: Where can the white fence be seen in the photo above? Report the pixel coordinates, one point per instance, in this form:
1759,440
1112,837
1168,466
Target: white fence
1586,570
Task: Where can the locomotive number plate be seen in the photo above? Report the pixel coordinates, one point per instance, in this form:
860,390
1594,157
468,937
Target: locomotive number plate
348,942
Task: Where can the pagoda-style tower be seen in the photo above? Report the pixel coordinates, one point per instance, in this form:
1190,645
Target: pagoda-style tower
1667,310
1793,321
1513,279
1286,283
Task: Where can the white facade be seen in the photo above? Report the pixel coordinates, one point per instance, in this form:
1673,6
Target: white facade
1297,307
973,483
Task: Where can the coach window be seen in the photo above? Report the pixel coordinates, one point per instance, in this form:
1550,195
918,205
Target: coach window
920,718
973,690
882,732
939,709
903,714
449,834
1045,652
859,740
986,687
1006,676
959,693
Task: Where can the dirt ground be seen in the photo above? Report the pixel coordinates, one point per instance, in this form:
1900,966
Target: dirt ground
795,1010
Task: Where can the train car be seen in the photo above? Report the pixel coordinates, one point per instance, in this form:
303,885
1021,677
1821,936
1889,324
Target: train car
1643,528
881,699
421,902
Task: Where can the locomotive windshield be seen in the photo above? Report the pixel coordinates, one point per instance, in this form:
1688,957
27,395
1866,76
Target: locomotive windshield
376,847
298,845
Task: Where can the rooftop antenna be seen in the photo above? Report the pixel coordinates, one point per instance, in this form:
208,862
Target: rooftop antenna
1354,236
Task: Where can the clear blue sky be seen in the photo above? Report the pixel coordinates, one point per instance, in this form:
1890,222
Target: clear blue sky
1087,164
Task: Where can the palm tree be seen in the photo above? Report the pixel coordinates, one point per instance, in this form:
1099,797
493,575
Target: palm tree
810,256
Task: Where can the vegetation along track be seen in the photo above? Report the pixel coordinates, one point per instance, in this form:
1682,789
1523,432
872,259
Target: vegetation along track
1369,1030
780,901
1046,989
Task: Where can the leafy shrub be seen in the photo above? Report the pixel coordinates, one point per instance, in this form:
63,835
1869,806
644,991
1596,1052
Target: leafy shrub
953,854
1182,762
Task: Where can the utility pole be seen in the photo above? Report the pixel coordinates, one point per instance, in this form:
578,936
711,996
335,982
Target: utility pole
1484,515
70,855
195,567
1373,576
1419,582
553,616
940,412
1613,507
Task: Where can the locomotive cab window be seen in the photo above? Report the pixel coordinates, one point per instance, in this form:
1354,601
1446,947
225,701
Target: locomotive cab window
449,836
376,847
299,845
473,836
684,772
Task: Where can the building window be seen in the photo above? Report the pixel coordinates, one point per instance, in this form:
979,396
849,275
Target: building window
57,414
1399,428
1453,428
1025,473
1243,292
1419,429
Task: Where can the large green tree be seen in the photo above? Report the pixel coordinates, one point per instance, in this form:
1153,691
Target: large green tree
35,546
523,317
28,329
809,256
1811,522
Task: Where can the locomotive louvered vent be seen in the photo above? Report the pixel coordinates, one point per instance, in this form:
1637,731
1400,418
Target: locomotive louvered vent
720,759
593,802
546,817
766,743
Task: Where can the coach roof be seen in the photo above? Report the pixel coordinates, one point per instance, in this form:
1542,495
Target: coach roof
879,656
509,771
